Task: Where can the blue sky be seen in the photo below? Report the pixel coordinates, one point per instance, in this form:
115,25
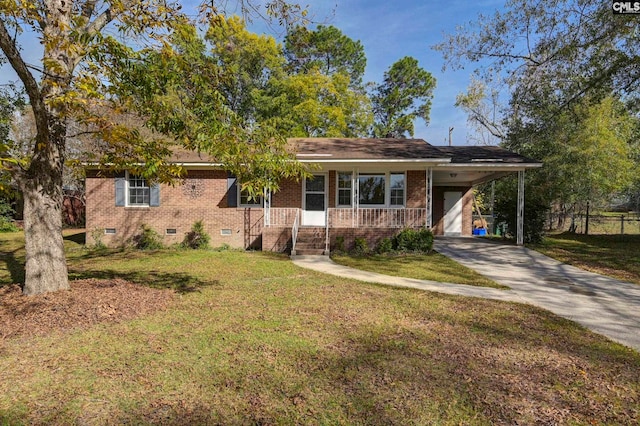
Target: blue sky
390,30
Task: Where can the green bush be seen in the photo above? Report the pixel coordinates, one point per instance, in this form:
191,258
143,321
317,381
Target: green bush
360,246
339,244
224,247
96,235
536,209
6,217
385,245
411,240
7,225
148,239
197,238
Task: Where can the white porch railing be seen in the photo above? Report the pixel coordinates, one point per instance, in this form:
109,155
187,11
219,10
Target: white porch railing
353,218
377,218
281,216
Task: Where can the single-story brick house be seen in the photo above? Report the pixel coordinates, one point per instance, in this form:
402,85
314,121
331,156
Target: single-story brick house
367,188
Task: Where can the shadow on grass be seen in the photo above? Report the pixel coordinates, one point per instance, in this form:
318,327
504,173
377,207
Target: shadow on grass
180,282
14,265
78,238
598,239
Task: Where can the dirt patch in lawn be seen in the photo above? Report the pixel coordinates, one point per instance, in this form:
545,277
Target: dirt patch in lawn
88,302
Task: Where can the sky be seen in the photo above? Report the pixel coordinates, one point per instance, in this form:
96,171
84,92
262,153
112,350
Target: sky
390,30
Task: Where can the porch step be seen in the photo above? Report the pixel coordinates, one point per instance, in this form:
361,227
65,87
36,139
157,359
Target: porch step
310,241
308,252
311,231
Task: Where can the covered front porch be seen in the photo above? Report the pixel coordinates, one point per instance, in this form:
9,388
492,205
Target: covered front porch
319,223
284,228
371,188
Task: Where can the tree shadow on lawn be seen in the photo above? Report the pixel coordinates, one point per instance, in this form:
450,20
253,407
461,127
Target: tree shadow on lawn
180,282
392,375
14,265
78,238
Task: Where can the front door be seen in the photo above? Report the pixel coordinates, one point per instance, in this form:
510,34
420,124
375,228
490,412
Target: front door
314,201
453,213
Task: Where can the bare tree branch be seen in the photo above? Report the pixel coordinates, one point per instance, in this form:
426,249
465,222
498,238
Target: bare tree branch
31,86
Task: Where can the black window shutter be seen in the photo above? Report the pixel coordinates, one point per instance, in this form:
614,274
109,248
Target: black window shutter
232,191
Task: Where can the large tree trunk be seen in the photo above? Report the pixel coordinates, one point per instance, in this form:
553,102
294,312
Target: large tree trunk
46,265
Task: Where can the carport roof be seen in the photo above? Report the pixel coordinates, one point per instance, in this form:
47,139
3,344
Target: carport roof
483,154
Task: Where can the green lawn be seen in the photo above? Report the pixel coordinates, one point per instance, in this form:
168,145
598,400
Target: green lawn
433,266
613,255
258,340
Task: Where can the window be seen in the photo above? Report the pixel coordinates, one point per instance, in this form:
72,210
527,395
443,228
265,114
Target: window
246,200
371,189
344,189
397,189
135,191
139,191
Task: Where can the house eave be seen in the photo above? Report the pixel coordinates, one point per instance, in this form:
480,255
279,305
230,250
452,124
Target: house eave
374,160
492,166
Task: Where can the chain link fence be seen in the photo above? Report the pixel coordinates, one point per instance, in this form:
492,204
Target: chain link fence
601,224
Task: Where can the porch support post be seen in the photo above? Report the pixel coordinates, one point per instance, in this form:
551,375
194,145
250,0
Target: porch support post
429,177
520,221
267,207
355,202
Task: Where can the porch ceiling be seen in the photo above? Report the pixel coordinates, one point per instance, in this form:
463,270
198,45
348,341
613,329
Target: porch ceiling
454,177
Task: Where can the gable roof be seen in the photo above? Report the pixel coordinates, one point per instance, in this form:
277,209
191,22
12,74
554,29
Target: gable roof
370,150
364,149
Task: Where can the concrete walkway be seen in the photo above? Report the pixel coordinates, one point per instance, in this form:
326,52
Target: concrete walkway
604,305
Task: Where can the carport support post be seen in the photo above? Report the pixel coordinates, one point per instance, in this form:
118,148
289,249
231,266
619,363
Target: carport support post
520,221
429,221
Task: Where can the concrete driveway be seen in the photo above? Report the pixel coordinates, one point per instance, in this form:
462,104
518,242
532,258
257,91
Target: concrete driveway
602,304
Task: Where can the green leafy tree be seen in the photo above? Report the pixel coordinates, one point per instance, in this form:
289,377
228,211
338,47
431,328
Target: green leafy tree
483,112
10,103
582,47
321,92
327,50
403,96
567,65
180,89
71,32
81,41
586,151
246,62
317,105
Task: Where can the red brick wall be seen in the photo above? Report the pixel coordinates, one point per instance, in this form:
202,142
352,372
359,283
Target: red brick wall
276,239
438,208
333,188
201,196
416,189
289,194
